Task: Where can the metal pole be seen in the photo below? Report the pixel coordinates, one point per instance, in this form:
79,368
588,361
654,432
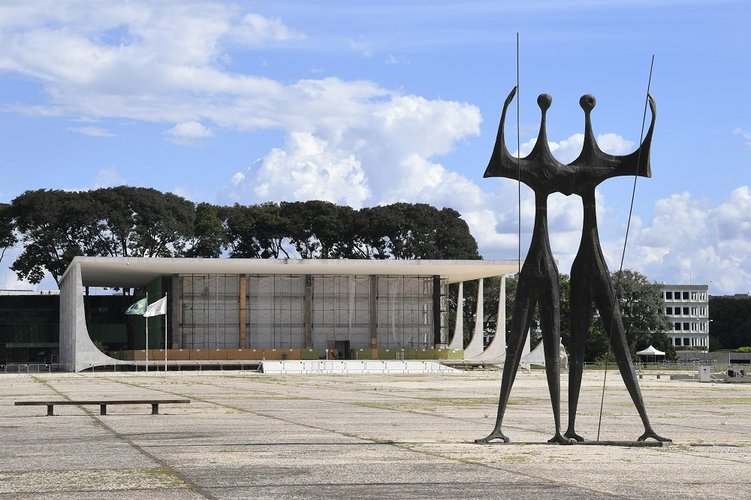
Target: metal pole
165,332
147,335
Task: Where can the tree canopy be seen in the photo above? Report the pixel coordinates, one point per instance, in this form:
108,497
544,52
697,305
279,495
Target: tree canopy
7,236
731,322
56,226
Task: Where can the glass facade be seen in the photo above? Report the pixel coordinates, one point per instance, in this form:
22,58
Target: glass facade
340,312
29,328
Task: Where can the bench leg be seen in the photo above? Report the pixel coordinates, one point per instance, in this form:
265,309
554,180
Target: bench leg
49,410
102,409
155,408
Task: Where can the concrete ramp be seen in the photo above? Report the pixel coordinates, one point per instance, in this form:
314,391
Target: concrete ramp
361,367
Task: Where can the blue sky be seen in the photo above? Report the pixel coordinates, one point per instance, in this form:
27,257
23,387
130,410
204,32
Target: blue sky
364,103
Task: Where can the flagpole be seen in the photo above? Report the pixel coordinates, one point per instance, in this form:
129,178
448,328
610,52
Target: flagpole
165,336
147,336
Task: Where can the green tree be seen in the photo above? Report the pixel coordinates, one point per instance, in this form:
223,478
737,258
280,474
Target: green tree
318,229
420,231
644,321
143,222
241,236
209,231
256,231
55,226
7,234
642,311
373,230
731,322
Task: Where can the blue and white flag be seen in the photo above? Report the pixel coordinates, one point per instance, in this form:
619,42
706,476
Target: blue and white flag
138,308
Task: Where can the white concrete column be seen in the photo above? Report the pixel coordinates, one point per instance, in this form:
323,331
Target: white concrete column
475,346
457,341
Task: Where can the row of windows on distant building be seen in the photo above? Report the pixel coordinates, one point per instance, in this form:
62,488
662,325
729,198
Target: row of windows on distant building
685,311
694,327
691,341
684,295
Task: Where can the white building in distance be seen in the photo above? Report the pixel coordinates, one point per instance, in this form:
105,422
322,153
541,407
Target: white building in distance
687,308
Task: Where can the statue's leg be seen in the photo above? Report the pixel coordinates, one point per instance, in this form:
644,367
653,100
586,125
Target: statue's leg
611,317
520,322
550,322
580,312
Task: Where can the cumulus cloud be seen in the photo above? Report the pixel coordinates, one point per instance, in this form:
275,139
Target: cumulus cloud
689,239
745,134
109,177
310,168
8,279
255,29
188,132
155,61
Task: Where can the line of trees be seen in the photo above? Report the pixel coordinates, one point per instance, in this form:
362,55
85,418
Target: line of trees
55,226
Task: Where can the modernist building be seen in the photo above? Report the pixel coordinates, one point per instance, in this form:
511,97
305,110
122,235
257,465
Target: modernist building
687,308
257,308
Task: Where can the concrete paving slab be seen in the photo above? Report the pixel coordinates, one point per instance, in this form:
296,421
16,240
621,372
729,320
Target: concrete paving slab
249,435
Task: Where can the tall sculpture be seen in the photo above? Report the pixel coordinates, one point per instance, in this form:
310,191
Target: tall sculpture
538,279
590,278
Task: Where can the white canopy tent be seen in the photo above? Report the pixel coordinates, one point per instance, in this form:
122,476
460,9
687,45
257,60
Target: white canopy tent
650,351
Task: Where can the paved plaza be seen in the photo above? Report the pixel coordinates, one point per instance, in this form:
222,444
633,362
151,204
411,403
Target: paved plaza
249,435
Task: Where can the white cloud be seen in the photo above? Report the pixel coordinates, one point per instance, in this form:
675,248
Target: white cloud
92,131
237,178
361,46
310,168
397,60
689,239
109,177
188,132
9,279
745,134
255,29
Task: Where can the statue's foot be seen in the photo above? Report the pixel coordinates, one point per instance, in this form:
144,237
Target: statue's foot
492,437
558,438
573,435
652,434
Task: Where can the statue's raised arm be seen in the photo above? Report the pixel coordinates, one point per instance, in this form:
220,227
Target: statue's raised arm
539,169
594,166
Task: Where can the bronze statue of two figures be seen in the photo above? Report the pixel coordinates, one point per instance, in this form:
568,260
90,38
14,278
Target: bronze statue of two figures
590,279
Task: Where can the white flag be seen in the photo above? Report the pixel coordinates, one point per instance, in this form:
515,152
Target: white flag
157,308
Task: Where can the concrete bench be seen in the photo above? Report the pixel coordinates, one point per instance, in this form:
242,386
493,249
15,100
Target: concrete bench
103,403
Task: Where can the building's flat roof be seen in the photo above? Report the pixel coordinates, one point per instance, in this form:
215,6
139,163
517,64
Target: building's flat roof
137,272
